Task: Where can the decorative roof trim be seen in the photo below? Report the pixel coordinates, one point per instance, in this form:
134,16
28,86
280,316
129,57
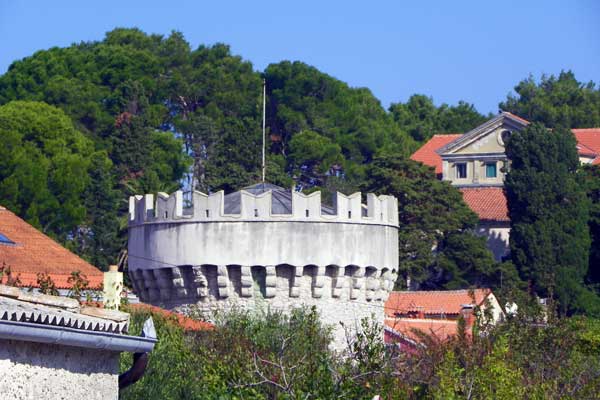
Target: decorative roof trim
504,118
37,333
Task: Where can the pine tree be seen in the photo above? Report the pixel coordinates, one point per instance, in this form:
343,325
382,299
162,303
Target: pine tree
437,246
102,242
549,212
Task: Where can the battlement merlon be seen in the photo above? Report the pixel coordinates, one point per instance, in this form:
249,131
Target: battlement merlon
379,210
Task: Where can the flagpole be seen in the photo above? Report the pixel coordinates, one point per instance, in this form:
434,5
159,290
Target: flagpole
264,167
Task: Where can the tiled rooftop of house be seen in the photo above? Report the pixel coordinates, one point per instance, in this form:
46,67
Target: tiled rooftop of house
28,252
489,203
589,143
409,328
188,324
434,302
427,155
19,306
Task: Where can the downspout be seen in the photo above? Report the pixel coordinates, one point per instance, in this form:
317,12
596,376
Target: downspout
140,360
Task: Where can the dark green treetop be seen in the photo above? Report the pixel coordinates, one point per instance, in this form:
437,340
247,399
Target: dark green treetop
556,101
420,118
437,246
44,164
549,213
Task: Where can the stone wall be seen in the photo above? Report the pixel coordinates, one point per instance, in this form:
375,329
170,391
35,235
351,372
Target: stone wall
341,294
45,371
497,235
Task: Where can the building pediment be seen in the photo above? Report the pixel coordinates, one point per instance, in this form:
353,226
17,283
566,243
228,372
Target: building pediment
487,138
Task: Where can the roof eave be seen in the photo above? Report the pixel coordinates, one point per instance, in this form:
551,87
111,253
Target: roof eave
38,333
502,118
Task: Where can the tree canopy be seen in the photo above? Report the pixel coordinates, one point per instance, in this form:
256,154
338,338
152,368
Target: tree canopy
556,101
549,213
87,125
420,118
436,242
44,163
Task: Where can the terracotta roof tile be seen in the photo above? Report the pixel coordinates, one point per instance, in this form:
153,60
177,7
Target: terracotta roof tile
188,324
448,302
588,141
489,203
440,329
33,252
427,155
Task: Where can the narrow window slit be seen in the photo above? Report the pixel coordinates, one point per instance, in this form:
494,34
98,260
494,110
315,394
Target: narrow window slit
207,213
256,212
307,213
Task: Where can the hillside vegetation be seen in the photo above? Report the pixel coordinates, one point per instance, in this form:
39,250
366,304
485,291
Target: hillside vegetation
274,356
88,125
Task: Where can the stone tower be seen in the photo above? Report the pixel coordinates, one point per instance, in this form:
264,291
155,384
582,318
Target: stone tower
265,246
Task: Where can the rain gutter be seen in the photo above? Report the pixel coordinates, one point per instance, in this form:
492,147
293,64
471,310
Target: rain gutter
31,332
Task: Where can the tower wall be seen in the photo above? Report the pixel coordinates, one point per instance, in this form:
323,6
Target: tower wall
344,264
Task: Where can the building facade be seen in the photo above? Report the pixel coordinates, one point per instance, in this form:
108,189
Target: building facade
476,163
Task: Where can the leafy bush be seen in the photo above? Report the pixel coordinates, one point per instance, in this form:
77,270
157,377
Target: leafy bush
277,356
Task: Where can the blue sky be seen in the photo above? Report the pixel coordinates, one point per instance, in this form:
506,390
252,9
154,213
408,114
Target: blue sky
451,50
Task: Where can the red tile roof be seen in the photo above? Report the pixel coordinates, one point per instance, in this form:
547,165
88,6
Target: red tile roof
427,155
489,203
188,324
523,120
440,329
448,302
588,141
33,253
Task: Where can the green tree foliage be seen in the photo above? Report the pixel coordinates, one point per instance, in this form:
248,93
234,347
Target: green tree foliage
314,155
556,101
432,215
350,121
549,212
420,118
44,162
152,103
590,176
273,356
215,98
101,242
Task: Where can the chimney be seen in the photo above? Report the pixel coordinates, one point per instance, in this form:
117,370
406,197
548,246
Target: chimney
113,286
468,315
421,312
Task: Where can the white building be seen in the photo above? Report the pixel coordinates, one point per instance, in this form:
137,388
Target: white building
265,246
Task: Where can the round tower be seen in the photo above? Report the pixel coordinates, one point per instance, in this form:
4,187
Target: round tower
265,246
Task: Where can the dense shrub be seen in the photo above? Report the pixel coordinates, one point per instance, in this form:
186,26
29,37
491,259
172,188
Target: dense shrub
275,356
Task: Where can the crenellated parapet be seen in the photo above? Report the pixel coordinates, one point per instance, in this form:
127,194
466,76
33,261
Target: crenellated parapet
259,207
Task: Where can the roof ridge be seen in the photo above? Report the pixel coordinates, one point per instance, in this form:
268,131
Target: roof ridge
440,291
